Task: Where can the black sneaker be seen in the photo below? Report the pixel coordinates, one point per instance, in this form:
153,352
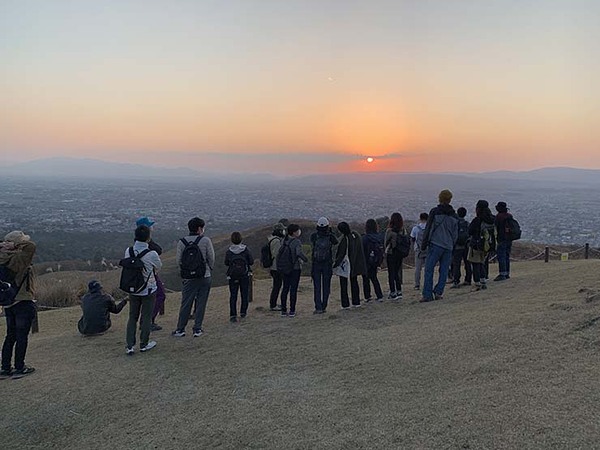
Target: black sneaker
284,313
155,327
367,300
22,373
4,374
455,286
466,283
276,308
233,319
243,316
483,286
500,278
439,297
318,311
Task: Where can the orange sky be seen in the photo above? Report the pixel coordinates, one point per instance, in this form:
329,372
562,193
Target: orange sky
442,87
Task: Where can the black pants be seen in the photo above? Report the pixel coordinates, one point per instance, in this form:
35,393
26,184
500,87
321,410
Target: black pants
243,286
394,264
371,277
355,291
478,272
277,283
19,318
460,256
321,275
291,282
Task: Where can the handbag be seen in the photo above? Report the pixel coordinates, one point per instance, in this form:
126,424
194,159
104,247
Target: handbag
343,269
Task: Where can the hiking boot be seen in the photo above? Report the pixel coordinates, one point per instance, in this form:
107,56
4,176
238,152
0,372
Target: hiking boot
178,333
276,308
233,319
198,333
130,351
292,314
4,374
500,278
155,327
149,346
22,372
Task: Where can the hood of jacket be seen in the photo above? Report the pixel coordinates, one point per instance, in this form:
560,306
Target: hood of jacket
236,249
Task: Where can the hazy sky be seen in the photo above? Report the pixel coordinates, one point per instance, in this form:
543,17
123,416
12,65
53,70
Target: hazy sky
296,86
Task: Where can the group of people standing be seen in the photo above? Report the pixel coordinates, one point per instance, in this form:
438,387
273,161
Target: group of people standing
442,238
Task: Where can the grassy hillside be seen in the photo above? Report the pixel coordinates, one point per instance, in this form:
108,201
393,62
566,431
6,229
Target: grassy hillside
515,366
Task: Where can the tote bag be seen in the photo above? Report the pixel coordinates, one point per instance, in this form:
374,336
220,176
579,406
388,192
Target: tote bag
343,270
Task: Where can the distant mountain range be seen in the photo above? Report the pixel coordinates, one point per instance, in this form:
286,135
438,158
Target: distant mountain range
94,168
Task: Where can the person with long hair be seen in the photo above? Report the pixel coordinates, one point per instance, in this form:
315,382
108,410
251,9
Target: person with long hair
393,256
373,249
483,241
350,245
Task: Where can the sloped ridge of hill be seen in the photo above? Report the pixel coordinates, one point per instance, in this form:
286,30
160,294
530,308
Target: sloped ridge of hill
511,367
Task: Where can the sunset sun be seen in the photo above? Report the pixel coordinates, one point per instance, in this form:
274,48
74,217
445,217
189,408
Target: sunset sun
370,159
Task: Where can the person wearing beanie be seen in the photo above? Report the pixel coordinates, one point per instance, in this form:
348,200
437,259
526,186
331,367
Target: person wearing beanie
274,243
16,256
97,307
504,247
351,245
322,241
482,242
439,239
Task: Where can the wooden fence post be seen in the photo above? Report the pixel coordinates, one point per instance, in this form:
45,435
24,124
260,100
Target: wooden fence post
587,251
547,254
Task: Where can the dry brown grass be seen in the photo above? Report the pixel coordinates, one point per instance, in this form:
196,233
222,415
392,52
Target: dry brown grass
512,367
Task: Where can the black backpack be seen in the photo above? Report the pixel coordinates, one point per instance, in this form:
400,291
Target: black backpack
132,273
513,229
463,232
321,251
285,260
374,253
403,244
238,266
266,256
192,263
8,288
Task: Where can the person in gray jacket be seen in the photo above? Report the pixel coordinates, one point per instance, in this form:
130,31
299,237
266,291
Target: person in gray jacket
289,264
196,284
441,234
97,307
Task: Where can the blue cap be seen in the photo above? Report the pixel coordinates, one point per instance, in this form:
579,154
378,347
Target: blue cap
144,221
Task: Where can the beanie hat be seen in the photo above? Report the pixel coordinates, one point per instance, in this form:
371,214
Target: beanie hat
323,222
17,237
445,197
501,207
94,286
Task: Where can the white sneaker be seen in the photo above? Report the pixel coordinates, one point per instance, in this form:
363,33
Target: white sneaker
178,333
149,346
130,350
356,306
198,333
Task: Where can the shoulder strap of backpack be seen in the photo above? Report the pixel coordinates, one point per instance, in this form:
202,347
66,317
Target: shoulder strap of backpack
197,240
131,252
143,253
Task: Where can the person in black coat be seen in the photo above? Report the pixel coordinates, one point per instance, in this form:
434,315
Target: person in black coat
351,245
97,308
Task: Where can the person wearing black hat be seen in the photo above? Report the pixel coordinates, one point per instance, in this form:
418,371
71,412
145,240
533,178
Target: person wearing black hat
97,307
482,241
504,242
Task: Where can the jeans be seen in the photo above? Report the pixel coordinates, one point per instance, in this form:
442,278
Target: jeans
195,291
243,286
435,255
419,265
321,275
459,256
355,291
394,266
277,283
503,251
371,277
19,318
291,281
143,304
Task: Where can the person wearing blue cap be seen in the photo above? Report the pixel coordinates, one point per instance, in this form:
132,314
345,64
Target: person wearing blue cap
97,307
159,304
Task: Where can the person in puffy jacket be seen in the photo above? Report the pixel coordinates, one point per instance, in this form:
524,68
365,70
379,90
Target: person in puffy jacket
239,261
97,307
